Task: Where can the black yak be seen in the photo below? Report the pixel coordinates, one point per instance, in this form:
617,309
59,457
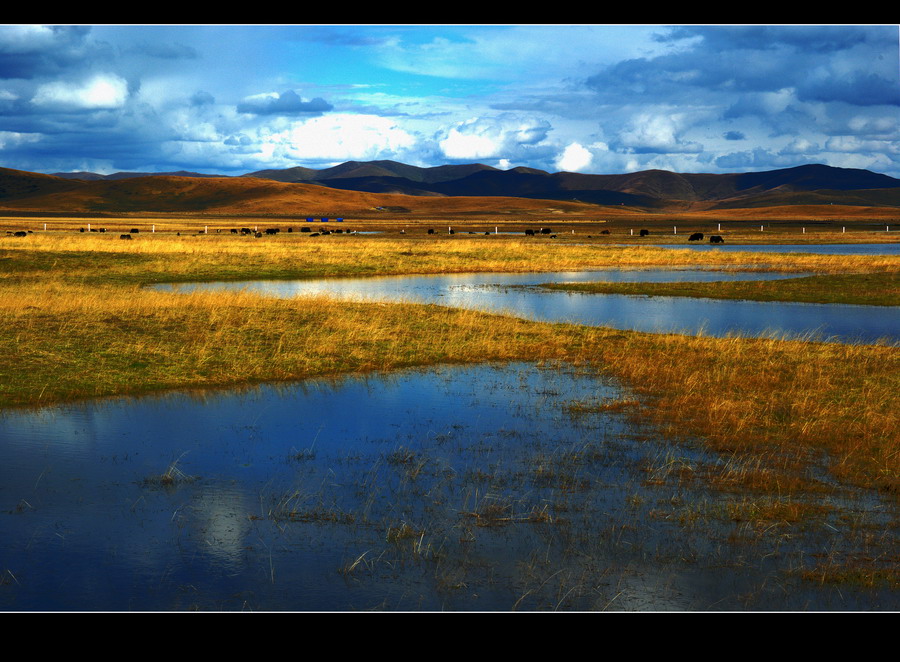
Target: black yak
697,236
716,239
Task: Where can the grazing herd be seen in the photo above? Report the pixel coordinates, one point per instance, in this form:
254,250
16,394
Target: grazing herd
696,236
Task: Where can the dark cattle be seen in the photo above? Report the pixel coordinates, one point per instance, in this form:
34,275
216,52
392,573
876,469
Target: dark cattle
20,234
290,229
529,233
81,229
134,230
272,231
644,233
102,229
124,236
258,235
697,236
304,230
604,231
546,230
430,230
314,234
233,231
716,239
246,231
452,232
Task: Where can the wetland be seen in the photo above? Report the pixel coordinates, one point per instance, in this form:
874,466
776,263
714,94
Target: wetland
230,447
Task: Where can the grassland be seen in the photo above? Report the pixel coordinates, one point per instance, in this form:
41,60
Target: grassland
76,322
879,289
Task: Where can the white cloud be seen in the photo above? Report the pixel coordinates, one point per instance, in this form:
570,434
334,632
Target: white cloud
104,91
493,137
574,158
13,138
650,132
800,146
461,145
852,144
340,137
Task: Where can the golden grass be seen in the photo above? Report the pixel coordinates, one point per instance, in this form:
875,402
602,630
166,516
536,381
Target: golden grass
154,258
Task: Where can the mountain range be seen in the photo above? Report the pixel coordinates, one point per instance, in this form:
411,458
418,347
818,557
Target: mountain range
354,186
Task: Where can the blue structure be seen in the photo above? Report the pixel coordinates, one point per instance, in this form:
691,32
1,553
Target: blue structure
309,219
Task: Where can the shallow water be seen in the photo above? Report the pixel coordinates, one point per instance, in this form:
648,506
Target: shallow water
822,249
515,294
476,488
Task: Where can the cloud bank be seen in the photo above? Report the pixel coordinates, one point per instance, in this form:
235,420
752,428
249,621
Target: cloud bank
602,99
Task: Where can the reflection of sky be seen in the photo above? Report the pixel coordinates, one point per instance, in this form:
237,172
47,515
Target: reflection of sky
492,292
80,530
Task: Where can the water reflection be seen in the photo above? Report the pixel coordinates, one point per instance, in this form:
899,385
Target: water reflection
477,488
517,294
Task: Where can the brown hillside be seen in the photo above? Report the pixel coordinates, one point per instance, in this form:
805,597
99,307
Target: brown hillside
249,196
19,184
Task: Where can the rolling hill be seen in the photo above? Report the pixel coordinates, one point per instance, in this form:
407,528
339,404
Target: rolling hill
377,186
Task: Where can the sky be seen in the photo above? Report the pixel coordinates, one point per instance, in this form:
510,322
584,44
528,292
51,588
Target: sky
603,99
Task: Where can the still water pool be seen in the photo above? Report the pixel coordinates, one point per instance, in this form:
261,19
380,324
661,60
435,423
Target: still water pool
518,294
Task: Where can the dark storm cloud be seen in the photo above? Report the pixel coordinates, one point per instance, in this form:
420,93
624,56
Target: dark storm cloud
287,103
29,52
855,65
812,39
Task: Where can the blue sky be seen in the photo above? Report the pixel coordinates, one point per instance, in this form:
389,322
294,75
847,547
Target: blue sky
581,98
